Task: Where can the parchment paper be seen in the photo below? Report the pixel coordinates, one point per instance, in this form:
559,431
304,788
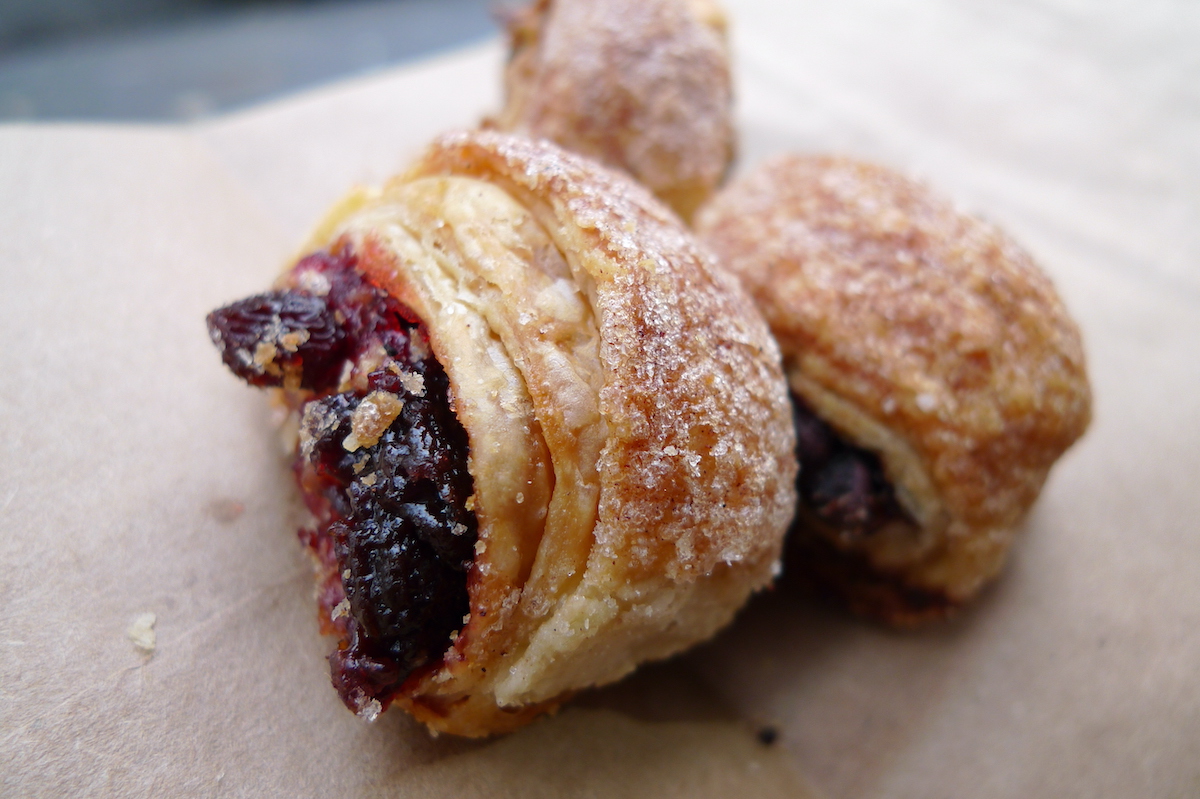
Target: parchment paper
137,477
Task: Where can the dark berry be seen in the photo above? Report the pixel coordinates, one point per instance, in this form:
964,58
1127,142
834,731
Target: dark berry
842,485
393,538
840,491
269,337
814,439
369,316
401,532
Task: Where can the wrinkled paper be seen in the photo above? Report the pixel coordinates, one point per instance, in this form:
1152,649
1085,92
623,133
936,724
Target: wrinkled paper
139,481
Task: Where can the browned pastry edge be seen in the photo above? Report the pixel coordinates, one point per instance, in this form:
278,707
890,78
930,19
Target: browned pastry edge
641,85
918,332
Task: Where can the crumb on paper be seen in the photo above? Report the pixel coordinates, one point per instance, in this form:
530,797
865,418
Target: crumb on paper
141,633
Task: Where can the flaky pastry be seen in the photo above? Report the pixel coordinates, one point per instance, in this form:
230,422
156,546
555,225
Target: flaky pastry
641,85
622,417
936,374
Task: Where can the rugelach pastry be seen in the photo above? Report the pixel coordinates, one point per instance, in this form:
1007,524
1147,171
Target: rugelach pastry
542,437
641,85
935,372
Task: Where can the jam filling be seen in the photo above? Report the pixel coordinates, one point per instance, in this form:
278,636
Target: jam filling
843,486
843,489
382,466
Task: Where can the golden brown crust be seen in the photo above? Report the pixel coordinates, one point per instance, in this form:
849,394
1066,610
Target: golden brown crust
641,85
643,475
920,333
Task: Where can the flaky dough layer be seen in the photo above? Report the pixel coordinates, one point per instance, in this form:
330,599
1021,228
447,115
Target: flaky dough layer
641,85
917,332
628,419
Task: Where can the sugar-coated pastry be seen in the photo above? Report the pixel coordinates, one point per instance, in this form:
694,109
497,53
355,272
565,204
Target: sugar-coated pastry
642,85
543,438
935,372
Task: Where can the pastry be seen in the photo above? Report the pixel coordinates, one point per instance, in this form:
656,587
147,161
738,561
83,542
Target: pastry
543,438
641,85
935,372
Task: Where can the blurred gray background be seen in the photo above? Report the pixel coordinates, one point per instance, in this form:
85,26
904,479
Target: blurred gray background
163,60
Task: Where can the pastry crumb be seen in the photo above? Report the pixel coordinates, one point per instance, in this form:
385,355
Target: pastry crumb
316,422
371,418
314,282
413,382
141,633
370,710
264,354
293,341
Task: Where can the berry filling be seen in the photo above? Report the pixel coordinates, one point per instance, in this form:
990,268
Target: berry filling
842,485
844,490
382,465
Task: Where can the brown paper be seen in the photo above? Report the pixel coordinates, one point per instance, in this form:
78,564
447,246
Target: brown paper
157,629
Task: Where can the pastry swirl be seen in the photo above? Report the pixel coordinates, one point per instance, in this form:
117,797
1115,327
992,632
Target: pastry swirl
641,85
628,428
922,338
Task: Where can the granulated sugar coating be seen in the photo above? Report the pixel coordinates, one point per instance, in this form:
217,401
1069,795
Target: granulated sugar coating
630,434
919,333
640,85
689,367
